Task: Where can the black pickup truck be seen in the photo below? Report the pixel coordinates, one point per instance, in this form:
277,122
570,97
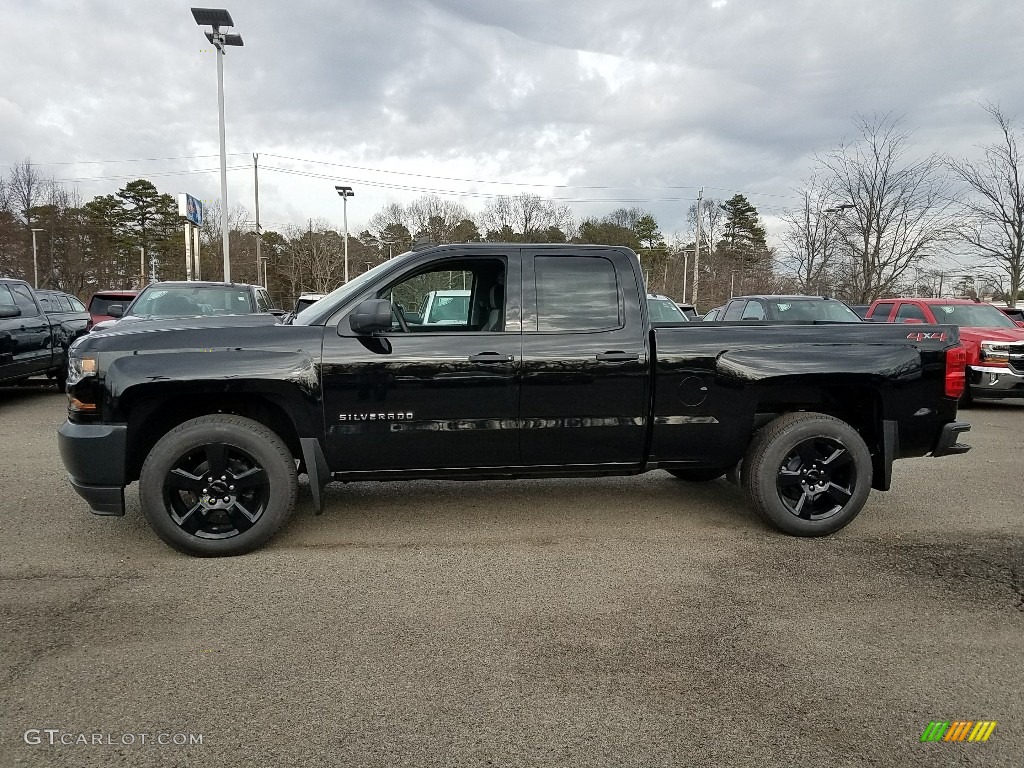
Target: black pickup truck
554,370
36,331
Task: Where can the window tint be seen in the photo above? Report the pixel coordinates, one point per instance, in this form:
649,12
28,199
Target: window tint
5,295
910,312
263,302
882,311
44,302
576,293
753,311
76,305
734,311
23,299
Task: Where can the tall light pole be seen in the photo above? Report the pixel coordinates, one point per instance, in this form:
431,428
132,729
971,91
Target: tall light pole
346,193
217,18
35,258
142,266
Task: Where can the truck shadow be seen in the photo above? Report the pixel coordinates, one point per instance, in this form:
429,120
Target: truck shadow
424,512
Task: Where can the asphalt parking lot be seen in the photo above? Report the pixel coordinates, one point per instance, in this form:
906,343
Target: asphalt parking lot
617,622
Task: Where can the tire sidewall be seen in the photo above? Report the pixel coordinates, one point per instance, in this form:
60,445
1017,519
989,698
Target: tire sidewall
761,476
247,435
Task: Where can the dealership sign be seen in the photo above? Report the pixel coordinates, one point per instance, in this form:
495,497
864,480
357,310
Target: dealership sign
191,208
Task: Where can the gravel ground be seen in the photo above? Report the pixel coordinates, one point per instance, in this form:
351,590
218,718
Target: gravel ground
617,622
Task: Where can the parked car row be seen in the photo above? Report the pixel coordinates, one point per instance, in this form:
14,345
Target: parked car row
36,330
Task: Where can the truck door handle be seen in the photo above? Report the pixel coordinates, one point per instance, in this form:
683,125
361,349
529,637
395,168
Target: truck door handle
490,357
621,356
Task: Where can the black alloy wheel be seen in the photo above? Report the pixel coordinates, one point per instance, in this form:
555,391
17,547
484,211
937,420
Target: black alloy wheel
218,485
216,491
816,480
806,473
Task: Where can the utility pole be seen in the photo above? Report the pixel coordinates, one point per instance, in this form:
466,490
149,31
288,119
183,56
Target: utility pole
259,234
941,276
696,248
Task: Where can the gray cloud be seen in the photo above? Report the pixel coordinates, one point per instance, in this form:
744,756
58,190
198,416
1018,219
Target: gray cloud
732,96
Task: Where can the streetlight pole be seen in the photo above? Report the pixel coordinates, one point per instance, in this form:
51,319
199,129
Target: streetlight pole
346,193
35,258
217,18
142,266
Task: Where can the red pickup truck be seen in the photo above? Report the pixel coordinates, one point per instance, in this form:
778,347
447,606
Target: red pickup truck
994,342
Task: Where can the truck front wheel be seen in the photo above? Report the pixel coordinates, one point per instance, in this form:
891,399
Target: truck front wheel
218,485
808,474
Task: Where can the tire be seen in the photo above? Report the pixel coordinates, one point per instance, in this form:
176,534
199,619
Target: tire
61,379
807,474
697,475
966,399
177,487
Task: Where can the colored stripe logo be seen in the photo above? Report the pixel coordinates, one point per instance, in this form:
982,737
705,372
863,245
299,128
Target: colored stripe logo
959,730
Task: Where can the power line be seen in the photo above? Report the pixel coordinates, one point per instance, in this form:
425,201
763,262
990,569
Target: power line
105,162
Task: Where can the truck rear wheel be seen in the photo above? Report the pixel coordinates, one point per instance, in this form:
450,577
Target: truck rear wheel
808,474
218,485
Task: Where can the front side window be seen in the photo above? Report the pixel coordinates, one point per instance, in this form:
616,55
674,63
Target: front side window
577,293
734,311
451,295
910,312
23,299
753,311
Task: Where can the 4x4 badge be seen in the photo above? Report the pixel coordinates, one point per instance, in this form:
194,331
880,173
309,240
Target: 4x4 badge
922,336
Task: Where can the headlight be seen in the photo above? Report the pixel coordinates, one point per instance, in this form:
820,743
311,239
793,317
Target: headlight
80,367
995,352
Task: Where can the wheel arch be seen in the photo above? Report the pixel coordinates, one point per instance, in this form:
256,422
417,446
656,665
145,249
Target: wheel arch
151,417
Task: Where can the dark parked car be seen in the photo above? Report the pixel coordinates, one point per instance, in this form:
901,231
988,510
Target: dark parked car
191,299
801,309
36,332
714,314
689,310
1014,313
102,299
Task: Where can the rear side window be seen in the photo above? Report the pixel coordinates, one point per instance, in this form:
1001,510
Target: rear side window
577,293
263,302
76,305
5,296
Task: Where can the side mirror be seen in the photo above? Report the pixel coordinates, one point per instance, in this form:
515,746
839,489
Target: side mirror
912,320
10,310
116,310
371,315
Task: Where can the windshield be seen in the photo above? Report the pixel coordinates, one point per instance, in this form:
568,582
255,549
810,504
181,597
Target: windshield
343,292
813,309
186,301
971,316
664,311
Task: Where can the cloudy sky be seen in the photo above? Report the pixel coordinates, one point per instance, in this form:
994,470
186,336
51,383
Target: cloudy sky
600,104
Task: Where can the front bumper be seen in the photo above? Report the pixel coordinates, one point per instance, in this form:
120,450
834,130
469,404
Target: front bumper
946,444
987,381
94,456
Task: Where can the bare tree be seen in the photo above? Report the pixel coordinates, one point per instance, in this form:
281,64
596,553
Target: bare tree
527,217
436,218
994,223
901,207
811,243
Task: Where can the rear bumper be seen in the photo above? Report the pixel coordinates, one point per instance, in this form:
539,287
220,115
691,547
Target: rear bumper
94,456
946,444
988,381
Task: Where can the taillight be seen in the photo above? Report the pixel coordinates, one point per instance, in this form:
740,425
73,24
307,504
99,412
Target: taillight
956,363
